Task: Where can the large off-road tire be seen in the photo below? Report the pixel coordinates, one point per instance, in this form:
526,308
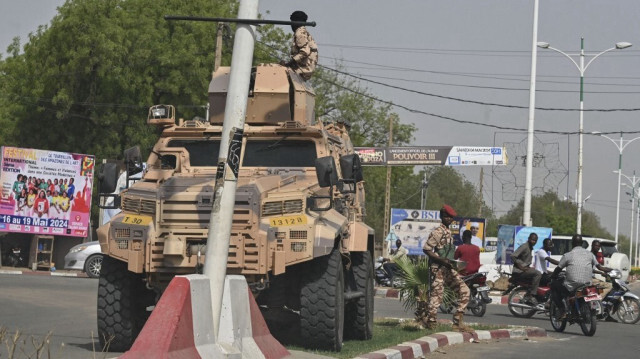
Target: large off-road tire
93,265
122,302
322,303
515,298
358,323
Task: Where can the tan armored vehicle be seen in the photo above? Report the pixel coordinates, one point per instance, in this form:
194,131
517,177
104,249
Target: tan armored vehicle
298,234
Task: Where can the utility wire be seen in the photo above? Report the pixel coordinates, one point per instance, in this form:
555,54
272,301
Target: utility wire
476,102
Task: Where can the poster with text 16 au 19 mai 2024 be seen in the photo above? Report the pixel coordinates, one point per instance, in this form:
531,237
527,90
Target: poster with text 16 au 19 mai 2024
45,192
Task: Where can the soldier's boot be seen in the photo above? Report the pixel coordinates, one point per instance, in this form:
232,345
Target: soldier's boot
458,325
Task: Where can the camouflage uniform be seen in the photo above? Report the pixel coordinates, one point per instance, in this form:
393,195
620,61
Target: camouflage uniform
304,53
438,239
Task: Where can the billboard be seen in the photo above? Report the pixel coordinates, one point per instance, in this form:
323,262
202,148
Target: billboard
511,237
413,226
45,192
432,155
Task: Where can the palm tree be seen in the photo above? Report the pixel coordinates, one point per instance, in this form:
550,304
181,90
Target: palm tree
414,287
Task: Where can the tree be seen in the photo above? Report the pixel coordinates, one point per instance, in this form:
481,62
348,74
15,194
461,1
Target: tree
85,83
548,210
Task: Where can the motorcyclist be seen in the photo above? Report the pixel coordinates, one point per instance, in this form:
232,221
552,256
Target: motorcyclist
390,266
606,287
522,269
542,259
468,253
579,264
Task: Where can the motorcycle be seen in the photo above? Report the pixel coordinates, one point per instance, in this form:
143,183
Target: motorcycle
13,258
518,289
383,278
478,298
582,307
620,301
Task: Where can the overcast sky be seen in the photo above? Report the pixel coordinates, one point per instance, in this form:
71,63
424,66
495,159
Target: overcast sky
478,51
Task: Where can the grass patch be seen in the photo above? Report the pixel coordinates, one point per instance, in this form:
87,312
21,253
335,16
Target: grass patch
21,346
386,333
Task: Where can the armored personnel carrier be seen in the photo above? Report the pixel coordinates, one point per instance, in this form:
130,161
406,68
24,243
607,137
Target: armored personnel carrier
298,234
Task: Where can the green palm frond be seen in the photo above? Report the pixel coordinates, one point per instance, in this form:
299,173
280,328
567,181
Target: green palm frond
415,281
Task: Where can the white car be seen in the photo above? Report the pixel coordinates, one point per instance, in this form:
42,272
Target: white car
86,257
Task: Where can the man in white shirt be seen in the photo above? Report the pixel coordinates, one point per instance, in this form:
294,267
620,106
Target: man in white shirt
542,259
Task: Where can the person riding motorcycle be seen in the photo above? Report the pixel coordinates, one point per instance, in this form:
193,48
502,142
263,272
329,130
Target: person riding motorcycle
468,253
390,266
522,269
579,264
542,258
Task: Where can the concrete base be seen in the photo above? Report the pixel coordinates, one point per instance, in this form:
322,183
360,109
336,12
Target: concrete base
181,325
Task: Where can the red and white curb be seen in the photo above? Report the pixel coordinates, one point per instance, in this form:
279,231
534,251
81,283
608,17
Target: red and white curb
43,273
420,347
394,293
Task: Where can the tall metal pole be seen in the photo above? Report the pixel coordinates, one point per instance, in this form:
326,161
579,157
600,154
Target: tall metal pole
387,198
637,232
532,104
425,184
228,161
620,148
637,237
633,205
580,139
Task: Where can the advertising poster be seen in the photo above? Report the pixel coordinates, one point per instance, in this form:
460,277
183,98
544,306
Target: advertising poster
432,155
475,225
413,226
45,192
511,237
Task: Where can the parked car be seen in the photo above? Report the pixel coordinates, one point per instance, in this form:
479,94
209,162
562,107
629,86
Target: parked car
86,257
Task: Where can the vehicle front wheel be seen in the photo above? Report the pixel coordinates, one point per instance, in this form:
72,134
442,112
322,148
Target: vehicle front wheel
557,324
122,302
629,310
93,265
322,303
359,314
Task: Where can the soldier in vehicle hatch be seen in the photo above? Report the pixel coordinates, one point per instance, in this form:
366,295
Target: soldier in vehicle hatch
304,51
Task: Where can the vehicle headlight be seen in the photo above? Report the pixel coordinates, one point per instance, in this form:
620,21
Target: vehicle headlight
615,274
78,249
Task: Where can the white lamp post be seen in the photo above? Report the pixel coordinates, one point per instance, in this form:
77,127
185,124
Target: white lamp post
620,145
526,218
634,182
582,68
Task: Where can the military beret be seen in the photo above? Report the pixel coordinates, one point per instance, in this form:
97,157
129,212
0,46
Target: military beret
298,16
448,210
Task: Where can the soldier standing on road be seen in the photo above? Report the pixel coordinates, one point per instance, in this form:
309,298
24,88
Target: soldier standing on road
440,249
304,51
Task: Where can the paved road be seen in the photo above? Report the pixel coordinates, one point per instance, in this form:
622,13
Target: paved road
612,340
66,306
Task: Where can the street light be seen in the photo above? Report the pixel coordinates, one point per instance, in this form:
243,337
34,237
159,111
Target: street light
634,182
620,146
582,68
